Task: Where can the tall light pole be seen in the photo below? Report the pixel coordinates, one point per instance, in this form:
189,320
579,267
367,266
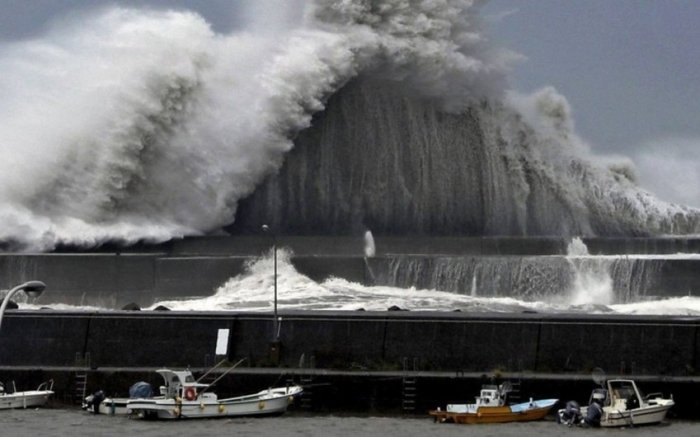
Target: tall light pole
32,288
275,333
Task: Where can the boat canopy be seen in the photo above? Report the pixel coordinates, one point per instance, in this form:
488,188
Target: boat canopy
179,378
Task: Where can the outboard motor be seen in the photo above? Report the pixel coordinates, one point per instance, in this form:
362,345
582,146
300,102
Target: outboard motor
93,401
595,410
571,415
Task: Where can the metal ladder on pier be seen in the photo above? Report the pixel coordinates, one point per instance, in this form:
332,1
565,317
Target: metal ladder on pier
306,399
408,387
80,377
514,395
79,387
305,381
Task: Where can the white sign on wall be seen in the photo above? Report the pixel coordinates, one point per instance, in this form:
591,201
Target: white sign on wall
222,342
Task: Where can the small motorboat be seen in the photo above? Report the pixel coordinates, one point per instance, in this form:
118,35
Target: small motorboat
491,407
25,399
619,402
184,398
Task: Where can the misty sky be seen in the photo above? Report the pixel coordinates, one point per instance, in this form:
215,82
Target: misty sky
629,68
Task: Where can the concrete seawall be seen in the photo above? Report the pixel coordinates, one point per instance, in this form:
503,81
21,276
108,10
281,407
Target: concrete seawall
358,361
198,267
364,355
370,340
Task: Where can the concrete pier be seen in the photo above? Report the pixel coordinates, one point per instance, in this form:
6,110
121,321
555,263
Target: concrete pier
359,361
351,360
197,267
451,341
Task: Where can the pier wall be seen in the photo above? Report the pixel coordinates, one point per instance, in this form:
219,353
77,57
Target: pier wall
357,361
112,280
357,340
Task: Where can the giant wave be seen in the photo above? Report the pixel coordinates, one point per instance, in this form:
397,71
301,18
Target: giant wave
142,125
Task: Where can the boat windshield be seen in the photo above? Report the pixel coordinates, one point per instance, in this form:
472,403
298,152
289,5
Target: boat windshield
189,378
623,390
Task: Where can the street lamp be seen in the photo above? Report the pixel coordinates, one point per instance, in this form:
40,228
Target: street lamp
275,333
32,288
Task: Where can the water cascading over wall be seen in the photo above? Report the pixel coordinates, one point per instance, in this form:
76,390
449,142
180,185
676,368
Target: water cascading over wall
378,159
395,165
529,278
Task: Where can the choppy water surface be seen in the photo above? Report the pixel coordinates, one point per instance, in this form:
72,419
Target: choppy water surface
55,422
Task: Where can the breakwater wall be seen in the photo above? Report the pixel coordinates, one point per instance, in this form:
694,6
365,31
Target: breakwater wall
357,361
196,267
431,341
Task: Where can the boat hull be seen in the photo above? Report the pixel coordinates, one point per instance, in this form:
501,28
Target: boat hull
638,416
264,403
25,399
113,407
501,414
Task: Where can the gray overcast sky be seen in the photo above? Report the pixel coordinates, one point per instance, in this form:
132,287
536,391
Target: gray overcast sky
629,68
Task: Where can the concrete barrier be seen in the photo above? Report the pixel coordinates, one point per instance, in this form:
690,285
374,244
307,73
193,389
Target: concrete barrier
141,340
651,345
43,338
254,244
363,340
662,245
177,277
104,280
113,280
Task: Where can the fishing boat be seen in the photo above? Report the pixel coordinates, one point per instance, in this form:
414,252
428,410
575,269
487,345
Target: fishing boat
181,396
184,398
623,404
491,407
25,399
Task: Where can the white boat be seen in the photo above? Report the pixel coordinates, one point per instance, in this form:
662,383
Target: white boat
623,404
184,398
25,399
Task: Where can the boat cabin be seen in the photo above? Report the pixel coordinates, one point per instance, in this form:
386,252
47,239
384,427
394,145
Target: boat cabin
179,383
491,396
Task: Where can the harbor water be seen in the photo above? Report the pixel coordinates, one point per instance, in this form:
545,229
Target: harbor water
75,422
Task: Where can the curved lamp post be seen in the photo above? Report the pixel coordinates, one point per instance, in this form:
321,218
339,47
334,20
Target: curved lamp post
32,288
275,330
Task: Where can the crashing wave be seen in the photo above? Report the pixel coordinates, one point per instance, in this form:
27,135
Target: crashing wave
141,125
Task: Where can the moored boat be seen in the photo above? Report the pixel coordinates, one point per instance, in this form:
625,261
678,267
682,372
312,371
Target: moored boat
184,398
491,407
26,399
621,403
